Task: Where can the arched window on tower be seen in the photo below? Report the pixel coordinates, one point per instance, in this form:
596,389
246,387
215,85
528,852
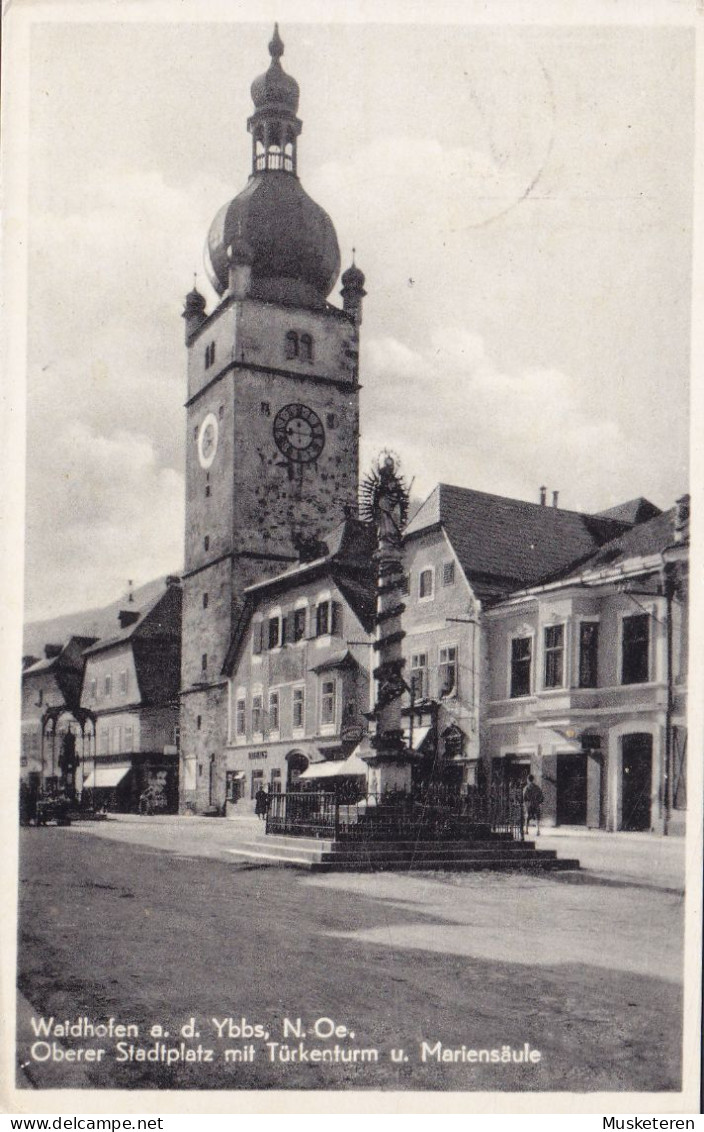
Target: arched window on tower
275,157
291,344
306,348
259,152
288,157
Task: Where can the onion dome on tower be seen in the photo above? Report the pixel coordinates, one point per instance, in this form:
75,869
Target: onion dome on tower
352,291
295,258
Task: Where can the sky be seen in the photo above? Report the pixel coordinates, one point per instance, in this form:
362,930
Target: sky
520,201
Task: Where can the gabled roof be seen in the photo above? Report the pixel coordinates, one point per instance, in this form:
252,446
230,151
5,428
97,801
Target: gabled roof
643,541
348,563
156,618
638,510
506,544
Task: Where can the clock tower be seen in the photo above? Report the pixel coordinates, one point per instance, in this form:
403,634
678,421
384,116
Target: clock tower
272,412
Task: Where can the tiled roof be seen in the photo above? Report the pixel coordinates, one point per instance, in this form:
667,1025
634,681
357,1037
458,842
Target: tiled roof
129,631
638,510
640,542
506,544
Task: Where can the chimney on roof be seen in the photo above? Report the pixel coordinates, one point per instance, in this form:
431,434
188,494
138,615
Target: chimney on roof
543,496
555,495
172,580
127,617
50,651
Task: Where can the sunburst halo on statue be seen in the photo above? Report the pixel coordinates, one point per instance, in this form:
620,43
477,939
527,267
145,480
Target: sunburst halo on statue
384,481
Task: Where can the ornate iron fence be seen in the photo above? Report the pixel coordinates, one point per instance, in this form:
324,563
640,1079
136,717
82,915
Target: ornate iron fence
432,814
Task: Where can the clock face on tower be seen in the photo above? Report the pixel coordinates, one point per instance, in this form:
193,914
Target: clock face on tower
299,433
208,440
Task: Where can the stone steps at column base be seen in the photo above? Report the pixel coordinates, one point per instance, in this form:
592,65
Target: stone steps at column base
349,857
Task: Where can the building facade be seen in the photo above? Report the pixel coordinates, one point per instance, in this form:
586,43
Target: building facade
585,684
272,412
131,691
299,670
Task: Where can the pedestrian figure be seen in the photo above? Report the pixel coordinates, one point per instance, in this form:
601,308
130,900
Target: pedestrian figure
261,803
532,801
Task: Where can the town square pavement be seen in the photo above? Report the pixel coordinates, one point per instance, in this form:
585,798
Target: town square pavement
154,919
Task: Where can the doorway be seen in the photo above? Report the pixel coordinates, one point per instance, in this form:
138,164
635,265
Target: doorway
636,778
296,764
571,808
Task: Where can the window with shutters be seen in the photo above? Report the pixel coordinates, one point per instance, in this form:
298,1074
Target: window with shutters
299,624
554,653
257,637
299,704
635,648
274,632
322,619
257,711
521,661
241,716
273,712
425,584
448,573
327,703
588,654
447,672
405,585
419,675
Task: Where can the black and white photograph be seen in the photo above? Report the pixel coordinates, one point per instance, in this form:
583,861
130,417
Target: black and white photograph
354,720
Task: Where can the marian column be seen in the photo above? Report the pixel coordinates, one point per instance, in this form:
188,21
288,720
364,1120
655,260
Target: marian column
385,503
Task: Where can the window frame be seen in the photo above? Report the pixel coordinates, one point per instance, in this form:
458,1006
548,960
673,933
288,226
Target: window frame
422,668
449,573
549,654
515,637
240,714
592,622
645,617
274,709
331,697
447,664
298,699
257,706
424,571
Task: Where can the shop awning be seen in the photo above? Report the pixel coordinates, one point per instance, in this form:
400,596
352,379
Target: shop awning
106,777
337,768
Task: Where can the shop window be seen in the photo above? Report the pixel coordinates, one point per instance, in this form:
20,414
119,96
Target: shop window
299,700
419,676
448,574
327,703
257,781
588,654
257,714
635,648
273,711
554,656
299,624
306,350
425,584
291,345
241,716
521,660
447,671
233,785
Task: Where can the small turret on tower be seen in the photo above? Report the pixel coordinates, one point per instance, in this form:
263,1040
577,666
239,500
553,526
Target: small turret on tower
353,291
193,312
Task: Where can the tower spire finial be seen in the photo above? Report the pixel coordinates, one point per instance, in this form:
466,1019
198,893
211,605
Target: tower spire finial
276,46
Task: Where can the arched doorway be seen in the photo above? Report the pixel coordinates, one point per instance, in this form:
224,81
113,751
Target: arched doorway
296,763
636,781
